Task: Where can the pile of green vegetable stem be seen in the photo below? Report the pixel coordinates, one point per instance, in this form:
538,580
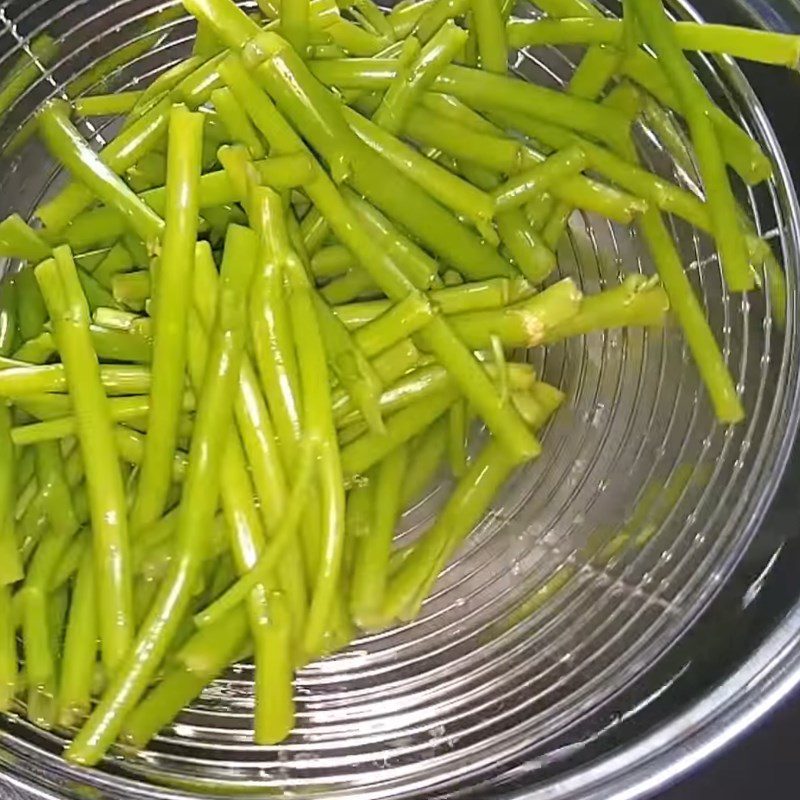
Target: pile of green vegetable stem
255,325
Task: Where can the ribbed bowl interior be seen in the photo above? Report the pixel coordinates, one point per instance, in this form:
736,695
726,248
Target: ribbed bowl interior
530,636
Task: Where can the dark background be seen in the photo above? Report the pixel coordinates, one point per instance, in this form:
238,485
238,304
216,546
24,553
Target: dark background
739,773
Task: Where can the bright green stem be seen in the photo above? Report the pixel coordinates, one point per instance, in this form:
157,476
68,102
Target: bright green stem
121,409
26,71
17,378
450,190
209,652
349,364
525,324
106,105
504,422
427,453
172,303
525,186
235,119
8,651
70,317
457,438
686,307
395,323
464,509
636,302
19,240
373,549
768,47
197,509
276,547
69,148
369,449
10,562
721,202
319,427
80,648
489,25
406,88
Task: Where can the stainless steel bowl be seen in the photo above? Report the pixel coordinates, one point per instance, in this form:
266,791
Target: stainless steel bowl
567,652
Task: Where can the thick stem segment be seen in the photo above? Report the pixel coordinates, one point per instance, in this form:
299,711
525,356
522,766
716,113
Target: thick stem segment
464,509
502,420
404,91
172,303
10,562
122,153
197,509
686,307
722,206
69,314
768,47
373,548
67,145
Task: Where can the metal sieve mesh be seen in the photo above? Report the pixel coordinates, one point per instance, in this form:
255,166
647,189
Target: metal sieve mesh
592,563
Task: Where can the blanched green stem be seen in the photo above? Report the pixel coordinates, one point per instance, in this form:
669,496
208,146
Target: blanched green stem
405,90
488,92
320,119
172,303
17,378
8,315
459,361
370,569
349,363
8,651
690,314
396,323
246,533
369,449
277,545
457,438
427,452
423,382
474,296
272,340
40,659
420,269
636,302
318,426
294,23
10,562
490,31
331,261
67,145
122,153
121,409
740,150
236,121
70,317
450,190
523,187
19,240
436,15
768,47
464,509
721,202
220,646
198,505
524,324
26,71
106,105
80,648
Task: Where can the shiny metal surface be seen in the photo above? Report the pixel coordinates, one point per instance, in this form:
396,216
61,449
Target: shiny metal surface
559,621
